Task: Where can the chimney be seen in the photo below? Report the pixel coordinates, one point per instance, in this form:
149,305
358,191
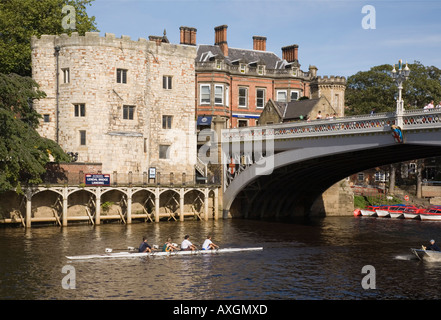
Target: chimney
290,53
188,35
220,38
259,43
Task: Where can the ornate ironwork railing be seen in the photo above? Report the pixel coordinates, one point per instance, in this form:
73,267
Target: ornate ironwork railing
415,119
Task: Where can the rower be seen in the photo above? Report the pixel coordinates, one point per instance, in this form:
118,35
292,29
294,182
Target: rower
432,246
169,246
144,246
209,245
187,245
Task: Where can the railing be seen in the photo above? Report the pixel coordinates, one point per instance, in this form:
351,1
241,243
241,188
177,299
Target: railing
414,119
127,179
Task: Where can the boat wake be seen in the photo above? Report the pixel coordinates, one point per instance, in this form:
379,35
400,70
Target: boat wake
406,257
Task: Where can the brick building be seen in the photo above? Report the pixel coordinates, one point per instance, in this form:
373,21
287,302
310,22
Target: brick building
237,83
123,103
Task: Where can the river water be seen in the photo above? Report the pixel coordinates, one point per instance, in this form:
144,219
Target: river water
319,259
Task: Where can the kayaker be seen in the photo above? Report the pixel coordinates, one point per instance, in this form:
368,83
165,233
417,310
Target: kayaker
209,245
186,244
168,246
432,246
144,246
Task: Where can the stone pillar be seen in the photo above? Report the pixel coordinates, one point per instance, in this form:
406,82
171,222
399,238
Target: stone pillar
219,124
98,206
181,204
129,205
216,203
206,193
28,208
64,214
156,204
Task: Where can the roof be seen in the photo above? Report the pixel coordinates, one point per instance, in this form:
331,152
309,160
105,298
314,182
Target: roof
295,109
269,59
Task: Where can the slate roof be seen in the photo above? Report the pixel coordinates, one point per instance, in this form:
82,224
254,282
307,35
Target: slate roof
235,56
294,109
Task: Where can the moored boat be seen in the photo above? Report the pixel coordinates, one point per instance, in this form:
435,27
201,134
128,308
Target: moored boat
369,211
396,211
433,213
412,212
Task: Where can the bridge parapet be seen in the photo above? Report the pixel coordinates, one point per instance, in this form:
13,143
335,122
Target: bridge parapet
381,122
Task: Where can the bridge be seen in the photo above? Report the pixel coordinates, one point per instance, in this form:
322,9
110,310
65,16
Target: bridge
278,170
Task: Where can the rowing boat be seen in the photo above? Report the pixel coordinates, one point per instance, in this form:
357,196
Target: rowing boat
428,255
135,254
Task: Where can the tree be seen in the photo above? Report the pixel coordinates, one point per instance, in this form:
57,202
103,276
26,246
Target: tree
23,152
22,19
376,89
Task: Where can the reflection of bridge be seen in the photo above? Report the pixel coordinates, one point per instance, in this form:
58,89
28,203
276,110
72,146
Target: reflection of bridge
123,203
279,170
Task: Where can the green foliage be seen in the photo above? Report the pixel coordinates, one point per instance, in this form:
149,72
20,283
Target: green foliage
376,89
364,201
22,19
23,152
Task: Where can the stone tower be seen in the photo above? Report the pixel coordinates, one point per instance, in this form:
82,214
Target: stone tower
123,103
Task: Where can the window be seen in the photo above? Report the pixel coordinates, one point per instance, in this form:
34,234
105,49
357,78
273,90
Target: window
167,82
167,122
121,75
218,64
243,97
227,96
128,112
242,68
260,98
46,118
281,95
294,95
242,123
205,93
219,94
360,176
380,176
164,152
82,137
260,69
80,110
66,75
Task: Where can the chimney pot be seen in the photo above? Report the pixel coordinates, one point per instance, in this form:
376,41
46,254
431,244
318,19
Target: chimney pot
259,43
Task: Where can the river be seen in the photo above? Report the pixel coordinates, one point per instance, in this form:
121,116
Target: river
317,259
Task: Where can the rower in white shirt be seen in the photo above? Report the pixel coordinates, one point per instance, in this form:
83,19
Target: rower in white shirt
187,245
209,245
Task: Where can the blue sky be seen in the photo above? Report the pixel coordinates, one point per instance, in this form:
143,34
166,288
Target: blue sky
329,33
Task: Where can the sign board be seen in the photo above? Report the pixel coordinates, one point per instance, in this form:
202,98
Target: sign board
152,173
91,179
406,197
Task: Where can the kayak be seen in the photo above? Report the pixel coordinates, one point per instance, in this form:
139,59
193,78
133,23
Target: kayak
136,254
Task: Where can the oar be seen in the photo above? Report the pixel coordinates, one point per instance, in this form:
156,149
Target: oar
109,250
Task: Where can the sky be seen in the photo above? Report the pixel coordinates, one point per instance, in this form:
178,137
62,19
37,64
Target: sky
339,37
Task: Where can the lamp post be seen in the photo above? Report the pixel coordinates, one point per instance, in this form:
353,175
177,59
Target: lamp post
400,76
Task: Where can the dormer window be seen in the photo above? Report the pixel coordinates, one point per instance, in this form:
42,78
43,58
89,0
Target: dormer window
260,69
218,64
242,68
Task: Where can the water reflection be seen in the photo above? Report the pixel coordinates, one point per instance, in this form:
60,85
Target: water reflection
319,259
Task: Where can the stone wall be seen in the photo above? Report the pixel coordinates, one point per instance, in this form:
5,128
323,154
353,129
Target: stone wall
91,64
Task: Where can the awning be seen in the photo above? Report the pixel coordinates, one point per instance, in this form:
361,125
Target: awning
204,121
